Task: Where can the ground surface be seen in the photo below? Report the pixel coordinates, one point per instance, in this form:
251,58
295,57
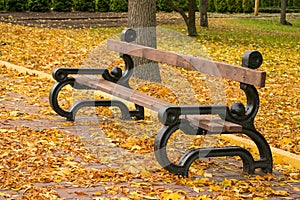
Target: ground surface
75,19
21,108
94,19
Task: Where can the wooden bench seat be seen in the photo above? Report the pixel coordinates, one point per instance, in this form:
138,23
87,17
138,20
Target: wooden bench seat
237,118
206,122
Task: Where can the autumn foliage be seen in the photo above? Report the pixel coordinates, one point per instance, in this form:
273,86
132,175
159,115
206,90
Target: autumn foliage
38,163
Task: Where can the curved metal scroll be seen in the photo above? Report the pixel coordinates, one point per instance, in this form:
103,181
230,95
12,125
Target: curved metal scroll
182,168
160,150
117,76
242,115
71,112
238,113
114,103
53,97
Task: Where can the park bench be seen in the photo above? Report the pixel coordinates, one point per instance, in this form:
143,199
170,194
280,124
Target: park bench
192,120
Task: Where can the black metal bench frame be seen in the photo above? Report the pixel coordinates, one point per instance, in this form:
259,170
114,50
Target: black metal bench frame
171,116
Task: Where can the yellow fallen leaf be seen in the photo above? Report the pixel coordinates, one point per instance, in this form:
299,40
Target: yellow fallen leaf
215,188
80,193
3,194
203,197
200,189
296,189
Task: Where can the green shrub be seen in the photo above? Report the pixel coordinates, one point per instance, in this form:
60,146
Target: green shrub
119,5
211,6
231,6
85,5
248,6
62,5
183,4
2,5
269,10
278,10
239,6
277,3
39,5
296,4
161,5
221,6
264,3
103,5
15,5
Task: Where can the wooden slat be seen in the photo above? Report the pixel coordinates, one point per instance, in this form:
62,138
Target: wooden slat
203,121
123,92
236,73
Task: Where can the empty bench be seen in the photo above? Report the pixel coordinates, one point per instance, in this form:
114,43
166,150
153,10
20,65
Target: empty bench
192,120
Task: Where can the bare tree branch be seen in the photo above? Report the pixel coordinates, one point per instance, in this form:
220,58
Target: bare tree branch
177,9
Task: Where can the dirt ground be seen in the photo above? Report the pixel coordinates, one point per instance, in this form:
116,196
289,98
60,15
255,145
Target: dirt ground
109,19
77,19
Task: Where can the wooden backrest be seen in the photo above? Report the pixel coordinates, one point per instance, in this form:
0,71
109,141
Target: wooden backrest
236,73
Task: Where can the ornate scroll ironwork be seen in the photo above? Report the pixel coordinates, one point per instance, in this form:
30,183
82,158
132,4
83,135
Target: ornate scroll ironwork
171,117
237,113
116,75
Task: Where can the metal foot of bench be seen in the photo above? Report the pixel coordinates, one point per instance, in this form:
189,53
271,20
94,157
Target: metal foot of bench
265,163
71,112
249,164
189,157
93,103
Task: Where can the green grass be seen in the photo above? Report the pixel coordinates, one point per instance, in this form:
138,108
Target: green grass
242,29
268,25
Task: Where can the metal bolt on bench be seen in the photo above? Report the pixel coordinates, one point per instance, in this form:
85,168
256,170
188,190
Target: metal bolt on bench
195,120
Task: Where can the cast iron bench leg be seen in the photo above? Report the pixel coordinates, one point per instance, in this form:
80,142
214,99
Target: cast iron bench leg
71,112
190,156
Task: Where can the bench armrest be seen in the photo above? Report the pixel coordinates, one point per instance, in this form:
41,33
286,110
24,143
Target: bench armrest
61,74
170,115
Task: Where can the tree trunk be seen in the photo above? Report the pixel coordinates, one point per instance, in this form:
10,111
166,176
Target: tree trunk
142,19
192,18
189,20
283,14
203,13
256,7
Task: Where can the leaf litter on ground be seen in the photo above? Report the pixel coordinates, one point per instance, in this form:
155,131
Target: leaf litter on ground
60,150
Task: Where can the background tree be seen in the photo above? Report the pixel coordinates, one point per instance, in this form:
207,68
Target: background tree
142,18
283,13
190,19
256,7
203,13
